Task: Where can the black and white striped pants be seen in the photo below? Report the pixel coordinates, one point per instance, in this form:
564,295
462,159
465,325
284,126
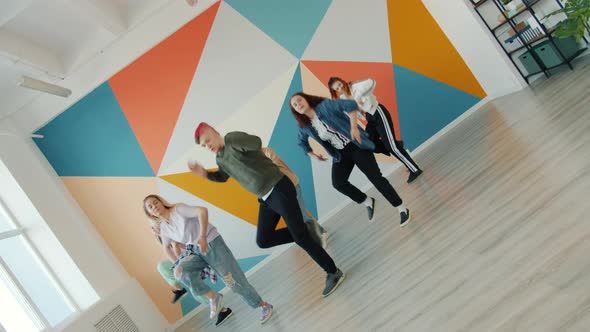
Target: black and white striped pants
380,129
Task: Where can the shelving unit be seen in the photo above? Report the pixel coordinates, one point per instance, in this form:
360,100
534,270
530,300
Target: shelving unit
527,37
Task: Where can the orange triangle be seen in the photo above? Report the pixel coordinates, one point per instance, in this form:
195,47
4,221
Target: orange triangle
228,196
382,73
152,89
419,44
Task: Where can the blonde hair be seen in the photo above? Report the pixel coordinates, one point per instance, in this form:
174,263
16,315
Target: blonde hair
156,221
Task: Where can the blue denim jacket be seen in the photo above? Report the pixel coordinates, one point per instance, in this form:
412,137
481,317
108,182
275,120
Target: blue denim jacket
331,112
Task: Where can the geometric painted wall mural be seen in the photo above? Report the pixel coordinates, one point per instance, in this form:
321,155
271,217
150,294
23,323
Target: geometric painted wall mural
235,66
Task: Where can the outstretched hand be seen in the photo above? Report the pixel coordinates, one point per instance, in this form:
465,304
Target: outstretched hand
203,245
197,169
355,134
317,156
360,101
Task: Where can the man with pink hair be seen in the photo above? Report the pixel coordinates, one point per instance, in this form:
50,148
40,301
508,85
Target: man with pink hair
240,156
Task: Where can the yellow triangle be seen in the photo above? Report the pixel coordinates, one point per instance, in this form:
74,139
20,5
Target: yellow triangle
419,44
229,196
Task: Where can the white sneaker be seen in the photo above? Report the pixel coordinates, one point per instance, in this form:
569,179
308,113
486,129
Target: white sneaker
266,313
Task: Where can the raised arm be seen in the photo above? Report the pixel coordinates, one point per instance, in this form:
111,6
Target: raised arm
333,106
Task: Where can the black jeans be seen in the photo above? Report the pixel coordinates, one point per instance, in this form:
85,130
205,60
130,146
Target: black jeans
282,202
380,129
352,156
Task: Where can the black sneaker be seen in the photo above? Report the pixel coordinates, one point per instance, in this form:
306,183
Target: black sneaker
178,294
414,176
223,316
371,210
404,217
333,280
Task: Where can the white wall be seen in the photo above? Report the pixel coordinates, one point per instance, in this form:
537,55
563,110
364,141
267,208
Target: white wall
477,46
133,300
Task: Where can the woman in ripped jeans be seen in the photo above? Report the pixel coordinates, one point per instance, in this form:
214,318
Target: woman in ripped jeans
201,246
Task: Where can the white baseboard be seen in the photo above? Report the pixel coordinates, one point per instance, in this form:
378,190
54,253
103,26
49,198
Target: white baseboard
280,250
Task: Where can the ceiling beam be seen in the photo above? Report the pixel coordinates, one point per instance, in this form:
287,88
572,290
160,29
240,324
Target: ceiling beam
105,13
21,51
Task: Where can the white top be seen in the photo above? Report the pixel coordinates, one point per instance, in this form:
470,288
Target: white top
184,226
363,91
329,135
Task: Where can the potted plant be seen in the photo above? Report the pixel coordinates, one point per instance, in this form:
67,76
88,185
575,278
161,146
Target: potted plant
577,21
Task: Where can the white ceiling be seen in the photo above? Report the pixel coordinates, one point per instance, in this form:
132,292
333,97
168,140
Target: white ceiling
50,39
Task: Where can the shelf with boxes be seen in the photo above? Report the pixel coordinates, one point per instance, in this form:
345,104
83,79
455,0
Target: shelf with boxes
527,35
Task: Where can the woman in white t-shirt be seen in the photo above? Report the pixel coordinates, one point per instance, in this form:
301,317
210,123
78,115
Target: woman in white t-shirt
379,123
201,246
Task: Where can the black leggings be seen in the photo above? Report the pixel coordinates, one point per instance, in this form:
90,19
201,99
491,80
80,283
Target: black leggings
352,156
283,202
380,129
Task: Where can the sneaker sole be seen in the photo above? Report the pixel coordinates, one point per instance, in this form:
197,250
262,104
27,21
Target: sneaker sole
228,316
267,318
337,284
407,221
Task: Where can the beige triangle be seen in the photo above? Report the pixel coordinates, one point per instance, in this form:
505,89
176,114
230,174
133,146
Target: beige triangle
312,85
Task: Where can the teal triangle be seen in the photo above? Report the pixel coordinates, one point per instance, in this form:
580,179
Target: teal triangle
189,303
284,142
93,138
292,24
425,106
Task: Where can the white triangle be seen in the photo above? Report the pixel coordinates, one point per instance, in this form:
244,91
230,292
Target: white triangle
239,235
238,61
257,117
352,30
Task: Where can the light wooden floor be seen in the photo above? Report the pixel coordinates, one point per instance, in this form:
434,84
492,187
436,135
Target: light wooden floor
500,237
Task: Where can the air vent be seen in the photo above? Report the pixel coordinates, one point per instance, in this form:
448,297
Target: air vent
116,321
